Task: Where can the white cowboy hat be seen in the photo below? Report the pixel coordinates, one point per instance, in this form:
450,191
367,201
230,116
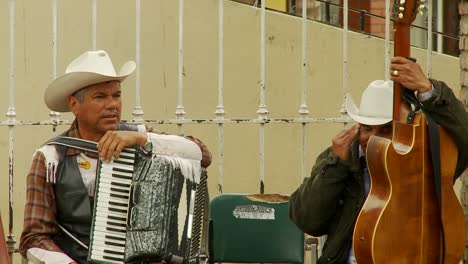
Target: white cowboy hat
376,104
89,68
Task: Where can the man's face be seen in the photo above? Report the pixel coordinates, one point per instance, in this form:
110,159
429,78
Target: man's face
99,110
365,131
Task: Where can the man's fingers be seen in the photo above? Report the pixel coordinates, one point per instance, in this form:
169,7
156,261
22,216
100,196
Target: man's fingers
351,135
350,132
111,150
342,141
118,149
106,146
347,131
347,136
399,60
113,142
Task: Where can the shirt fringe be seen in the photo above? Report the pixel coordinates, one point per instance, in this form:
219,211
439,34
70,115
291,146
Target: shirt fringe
51,162
190,169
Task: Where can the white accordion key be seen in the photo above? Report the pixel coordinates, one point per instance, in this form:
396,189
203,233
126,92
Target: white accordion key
111,209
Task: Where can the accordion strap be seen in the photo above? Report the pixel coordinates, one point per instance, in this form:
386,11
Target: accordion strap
204,250
200,237
76,143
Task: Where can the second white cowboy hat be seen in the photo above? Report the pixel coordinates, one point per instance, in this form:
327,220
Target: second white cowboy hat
376,106
89,68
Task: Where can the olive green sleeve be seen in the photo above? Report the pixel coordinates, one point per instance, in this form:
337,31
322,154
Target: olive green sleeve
450,113
315,202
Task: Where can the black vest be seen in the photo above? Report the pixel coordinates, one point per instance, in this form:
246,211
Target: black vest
73,204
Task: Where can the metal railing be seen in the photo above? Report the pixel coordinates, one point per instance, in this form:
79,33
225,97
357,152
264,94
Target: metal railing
329,8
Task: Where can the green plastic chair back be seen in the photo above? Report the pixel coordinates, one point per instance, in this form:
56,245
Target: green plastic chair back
254,228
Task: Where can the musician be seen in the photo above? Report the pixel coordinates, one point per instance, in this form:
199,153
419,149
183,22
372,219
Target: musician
328,202
91,90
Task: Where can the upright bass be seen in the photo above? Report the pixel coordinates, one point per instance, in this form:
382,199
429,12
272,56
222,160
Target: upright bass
411,214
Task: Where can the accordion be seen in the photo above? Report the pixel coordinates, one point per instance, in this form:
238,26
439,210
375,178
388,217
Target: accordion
149,208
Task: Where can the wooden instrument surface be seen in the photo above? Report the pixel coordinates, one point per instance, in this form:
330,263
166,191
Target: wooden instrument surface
401,221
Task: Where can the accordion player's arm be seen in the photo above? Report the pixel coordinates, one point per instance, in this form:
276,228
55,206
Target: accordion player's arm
112,143
206,154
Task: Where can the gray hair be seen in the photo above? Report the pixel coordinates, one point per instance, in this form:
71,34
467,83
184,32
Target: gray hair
79,94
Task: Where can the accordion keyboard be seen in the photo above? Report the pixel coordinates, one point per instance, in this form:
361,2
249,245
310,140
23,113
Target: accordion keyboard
111,209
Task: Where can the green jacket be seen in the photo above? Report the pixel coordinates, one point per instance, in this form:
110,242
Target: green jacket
328,202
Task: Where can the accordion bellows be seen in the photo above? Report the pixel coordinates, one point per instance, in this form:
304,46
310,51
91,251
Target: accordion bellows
153,225
181,152
145,226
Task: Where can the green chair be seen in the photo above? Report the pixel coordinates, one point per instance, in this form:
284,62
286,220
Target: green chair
254,228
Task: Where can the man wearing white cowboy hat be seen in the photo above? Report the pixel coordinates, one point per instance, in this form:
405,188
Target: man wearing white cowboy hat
328,202
56,201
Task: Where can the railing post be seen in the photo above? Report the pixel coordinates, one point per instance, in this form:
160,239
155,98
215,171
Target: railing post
180,113
220,107
291,7
262,109
327,11
11,121
362,18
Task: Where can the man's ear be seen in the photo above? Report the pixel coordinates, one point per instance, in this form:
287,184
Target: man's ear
73,104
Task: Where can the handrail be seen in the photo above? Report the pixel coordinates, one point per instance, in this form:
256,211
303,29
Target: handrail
365,13
362,13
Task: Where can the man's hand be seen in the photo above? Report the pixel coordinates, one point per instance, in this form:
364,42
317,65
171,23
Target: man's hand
112,143
342,141
409,74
